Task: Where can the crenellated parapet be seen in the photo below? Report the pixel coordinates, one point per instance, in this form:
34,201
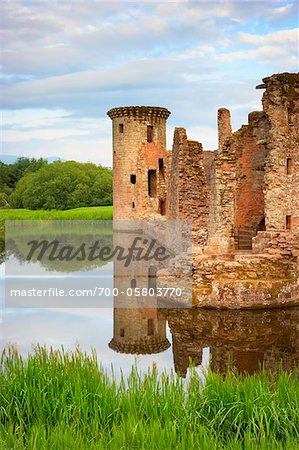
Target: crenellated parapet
140,347
139,112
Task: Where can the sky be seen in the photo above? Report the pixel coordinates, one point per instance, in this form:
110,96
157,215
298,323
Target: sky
66,63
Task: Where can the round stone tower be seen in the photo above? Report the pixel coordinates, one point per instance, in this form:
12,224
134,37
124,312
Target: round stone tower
139,161
139,331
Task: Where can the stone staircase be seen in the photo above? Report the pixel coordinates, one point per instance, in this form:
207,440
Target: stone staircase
243,238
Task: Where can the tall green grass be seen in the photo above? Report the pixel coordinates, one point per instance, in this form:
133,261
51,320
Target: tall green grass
90,213
59,400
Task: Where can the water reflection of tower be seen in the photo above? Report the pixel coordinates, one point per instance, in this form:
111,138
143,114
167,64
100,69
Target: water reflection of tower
138,328
138,331
140,162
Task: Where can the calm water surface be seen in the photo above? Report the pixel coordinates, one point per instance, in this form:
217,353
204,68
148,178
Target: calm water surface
168,337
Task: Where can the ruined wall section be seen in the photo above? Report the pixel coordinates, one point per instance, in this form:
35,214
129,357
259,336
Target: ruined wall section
245,281
281,104
188,195
250,150
283,243
148,159
224,127
221,223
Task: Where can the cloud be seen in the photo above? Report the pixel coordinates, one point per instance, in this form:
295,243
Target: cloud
281,37
43,132
279,49
72,61
20,136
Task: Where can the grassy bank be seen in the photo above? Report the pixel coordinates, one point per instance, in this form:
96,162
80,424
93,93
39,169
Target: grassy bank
55,400
91,213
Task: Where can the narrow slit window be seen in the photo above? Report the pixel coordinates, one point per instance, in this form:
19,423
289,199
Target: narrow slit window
133,205
133,178
289,166
152,278
121,127
162,207
150,327
288,222
152,183
290,116
133,283
161,164
150,133
122,332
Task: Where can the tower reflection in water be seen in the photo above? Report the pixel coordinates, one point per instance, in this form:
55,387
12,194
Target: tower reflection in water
244,340
138,328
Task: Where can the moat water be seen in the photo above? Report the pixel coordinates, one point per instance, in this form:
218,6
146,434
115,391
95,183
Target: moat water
123,337
209,337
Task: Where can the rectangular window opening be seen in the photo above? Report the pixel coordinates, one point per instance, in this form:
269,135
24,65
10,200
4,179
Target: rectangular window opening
150,327
121,127
288,222
152,278
152,183
133,205
133,283
289,166
161,170
133,178
162,207
150,133
122,332
290,116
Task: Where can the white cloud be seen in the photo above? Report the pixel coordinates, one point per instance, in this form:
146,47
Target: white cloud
71,61
279,49
281,37
20,136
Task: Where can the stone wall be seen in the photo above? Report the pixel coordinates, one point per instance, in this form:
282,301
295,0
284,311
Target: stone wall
281,104
285,243
250,150
188,194
224,127
222,212
245,281
238,199
257,167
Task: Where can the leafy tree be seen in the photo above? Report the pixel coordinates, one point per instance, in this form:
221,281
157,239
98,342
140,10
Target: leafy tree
21,167
4,200
64,185
4,168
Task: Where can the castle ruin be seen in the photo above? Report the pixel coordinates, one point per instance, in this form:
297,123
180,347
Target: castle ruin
242,199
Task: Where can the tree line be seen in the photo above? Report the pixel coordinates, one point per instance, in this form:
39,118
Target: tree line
35,184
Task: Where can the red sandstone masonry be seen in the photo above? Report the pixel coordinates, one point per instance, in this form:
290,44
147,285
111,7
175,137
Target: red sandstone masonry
257,167
188,196
224,126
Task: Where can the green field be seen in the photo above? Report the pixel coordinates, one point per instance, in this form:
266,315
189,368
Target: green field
90,213
58,400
